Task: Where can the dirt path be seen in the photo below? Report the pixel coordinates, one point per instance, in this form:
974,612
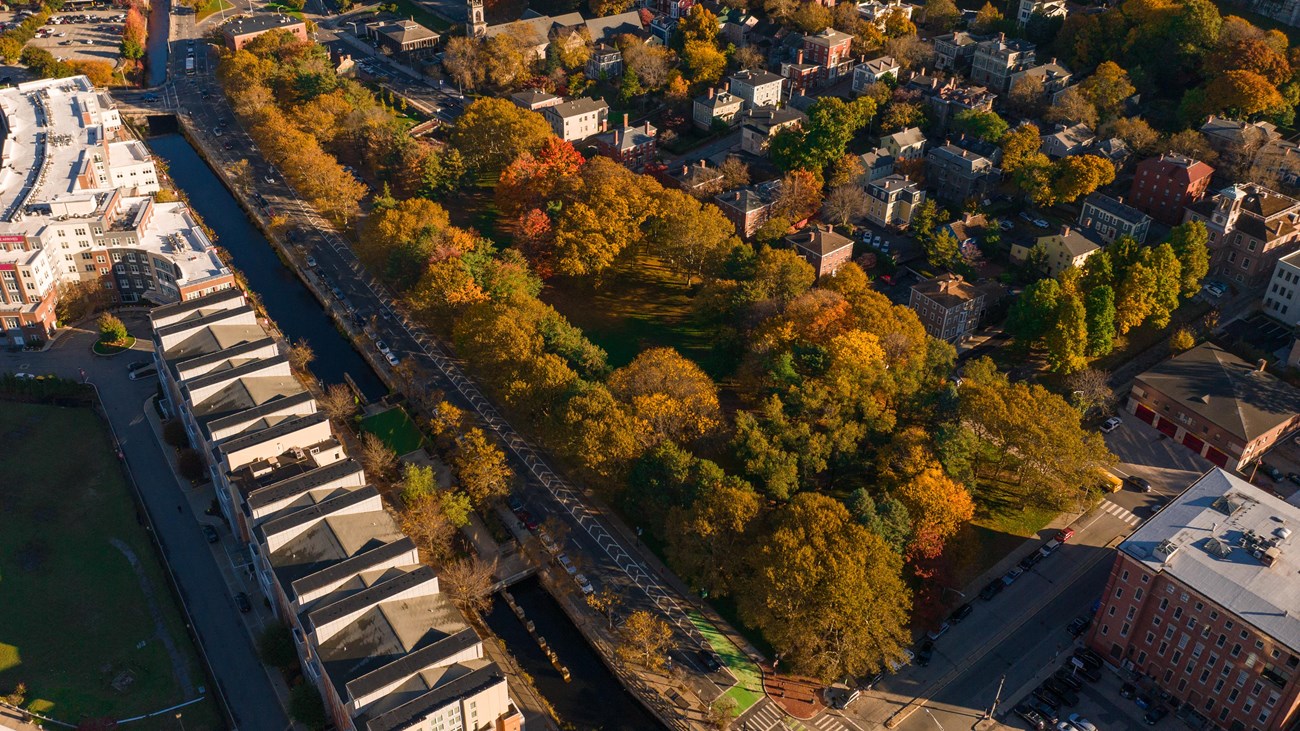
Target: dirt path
179,666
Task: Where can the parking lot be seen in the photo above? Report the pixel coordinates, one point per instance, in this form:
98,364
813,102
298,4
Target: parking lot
1261,333
94,35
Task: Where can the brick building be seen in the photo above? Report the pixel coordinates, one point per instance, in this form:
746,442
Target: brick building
822,247
634,146
1164,186
831,50
1202,600
747,208
949,307
241,31
1217,405
1250,228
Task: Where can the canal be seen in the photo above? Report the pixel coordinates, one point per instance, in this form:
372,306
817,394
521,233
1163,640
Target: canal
594,700
289,303
160,21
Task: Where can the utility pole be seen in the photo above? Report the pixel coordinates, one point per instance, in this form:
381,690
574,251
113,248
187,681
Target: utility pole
997,697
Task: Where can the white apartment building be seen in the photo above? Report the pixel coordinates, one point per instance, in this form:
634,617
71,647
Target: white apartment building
1282,297
577,119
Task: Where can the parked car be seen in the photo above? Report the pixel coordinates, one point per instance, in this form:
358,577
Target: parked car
709,660
547,542
137,365
210,533
939,631
515,504
1045,694
1047,712
960,613
1090,656
1010,577
311,262
583,584
1071,682
1273,473
1141,484
1041,222
1066,695
1006,225
566,564
392,359
896,664
1079,625
1215,289
992,589
1031,717
1081,723
1155,715
1127,690
1293,477
1064,535
241,601
383,347
1143,701
1048,548
1111,424
925,652
1029,561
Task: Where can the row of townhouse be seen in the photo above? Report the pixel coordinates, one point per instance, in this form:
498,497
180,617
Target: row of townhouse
384,646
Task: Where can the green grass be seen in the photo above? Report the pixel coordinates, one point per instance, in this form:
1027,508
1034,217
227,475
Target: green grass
748,689
76,616
103,348
645,307
213,7
396,429
410,9
274,7
1002,523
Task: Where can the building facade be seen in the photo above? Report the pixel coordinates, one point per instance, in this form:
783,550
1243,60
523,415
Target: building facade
948,306
241,31
716,106
759,125
756,88
1109,218
1201,601
891,200
877,69
634,146
995,61
821,247
747,208
1163,187
958,175
577,119
1281,300
1250,228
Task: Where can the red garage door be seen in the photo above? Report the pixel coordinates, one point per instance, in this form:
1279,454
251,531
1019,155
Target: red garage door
1217,457
1167,427
1145,414
1192,442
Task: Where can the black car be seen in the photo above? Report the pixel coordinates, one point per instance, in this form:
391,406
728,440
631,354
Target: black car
1046,695
1127,690
210,533
137,365
1031,717
1047,712
1089,673
241,601
1071,682
992,589
1141,484
1090,656
960,613
1155,715
1028,562
1079,625
1066,695
925,653
709,661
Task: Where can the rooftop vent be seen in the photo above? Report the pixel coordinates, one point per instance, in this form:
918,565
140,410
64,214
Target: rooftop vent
1283,533
1229,504
1216,547
1165,550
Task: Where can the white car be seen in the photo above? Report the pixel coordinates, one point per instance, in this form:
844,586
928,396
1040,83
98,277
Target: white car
1111,425
896,665
584,584
1215,289
383,347
271,179
1081,723
392,359
1041,222
311,262
567,564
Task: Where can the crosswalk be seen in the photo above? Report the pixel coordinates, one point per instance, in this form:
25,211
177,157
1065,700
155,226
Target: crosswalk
768,716
1120,512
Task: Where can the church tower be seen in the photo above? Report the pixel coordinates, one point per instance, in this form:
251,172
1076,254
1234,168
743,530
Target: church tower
477,25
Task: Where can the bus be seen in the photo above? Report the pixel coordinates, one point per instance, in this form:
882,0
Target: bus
189,65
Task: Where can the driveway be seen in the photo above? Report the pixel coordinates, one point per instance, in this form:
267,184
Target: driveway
241,678
1146,452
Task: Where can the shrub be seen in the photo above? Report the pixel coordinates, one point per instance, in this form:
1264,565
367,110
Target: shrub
306,706
276,647
190,464
111,329
174,434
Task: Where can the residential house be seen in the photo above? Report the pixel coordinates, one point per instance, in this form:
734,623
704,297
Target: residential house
875,165
577,119
699,178
1163,187
800,78
876,11
403,37
955,51
946,99
536,33
760,124
1236,137
1069,248
747,208
821,247
966,231
1045,8
716,106
958,175
1279,160
633,146
1215,564
983,148
829,49
1113,149
1066,141
908,144
948,306
1250,228
1054,77
535,100
757,88
241,31
1216,404
1280,300
1110,219
996,60
869,72
605,62
891,201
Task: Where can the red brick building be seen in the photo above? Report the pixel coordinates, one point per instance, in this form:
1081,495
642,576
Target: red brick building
1163,186
747,209
1216,404
1202,601
241,31
635,147
822,247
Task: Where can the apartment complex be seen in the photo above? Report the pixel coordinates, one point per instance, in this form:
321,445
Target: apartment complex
76,206
996,60
385,648
577,119
1280,299
1110,218
1250,228
1202,600
949,307
958,175
891,200
1165,186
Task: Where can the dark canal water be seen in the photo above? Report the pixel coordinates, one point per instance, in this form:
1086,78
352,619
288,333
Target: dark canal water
295,310
160,21
594,700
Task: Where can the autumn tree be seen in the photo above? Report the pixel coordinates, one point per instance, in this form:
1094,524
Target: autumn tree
1072,107
301,356
651,63
986,19
1240,93
111,329
940,247
463,59
844,204
1107,88
826,592
481,468
691,237
424,522
600,433
338,403
1076,176
669,393
492,132
469,583
534,178
1067,338
1027,96
938,505
1091,390
940,15
1181,340
703,61
1139,136
702,539
643,640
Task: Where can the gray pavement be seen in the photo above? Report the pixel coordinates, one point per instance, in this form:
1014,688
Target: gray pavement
242,680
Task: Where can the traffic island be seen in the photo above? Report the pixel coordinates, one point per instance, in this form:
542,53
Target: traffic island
107,349
798,696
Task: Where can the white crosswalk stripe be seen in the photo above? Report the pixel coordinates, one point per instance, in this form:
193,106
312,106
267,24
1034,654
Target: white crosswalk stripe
1120,512
827,722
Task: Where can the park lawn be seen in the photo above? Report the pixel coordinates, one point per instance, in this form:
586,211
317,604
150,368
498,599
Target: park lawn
396,429
1002,523
76,616
213,7
645,306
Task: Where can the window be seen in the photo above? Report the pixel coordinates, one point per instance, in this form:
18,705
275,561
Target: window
1150,638
1161,650
1178,612
1164,604
1137,594
1123,631
1236,650
1222,639
1119,592
1131,610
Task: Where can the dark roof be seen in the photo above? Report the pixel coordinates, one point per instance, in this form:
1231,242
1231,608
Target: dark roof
214,421
300,483
412,663
1225,390
948,290
742,199
259,23
819,240
1114,207
424,706
363,561
586,105
764,118
757,77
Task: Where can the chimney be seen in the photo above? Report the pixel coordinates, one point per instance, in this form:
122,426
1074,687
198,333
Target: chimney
710,92
799,56
1053,62
1119,199
1065,230
1002,37
624,119
1260,365
685,168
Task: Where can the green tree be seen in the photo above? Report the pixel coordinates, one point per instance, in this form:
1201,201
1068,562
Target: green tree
1033,313
1067,339
940,248
111,329
492,132
481,468
826,592
306,706
630,88
1100,308
1168,282
888,519
832,122
276,647
1189,244
987,126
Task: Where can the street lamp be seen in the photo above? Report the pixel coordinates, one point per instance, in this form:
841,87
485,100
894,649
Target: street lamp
178,720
